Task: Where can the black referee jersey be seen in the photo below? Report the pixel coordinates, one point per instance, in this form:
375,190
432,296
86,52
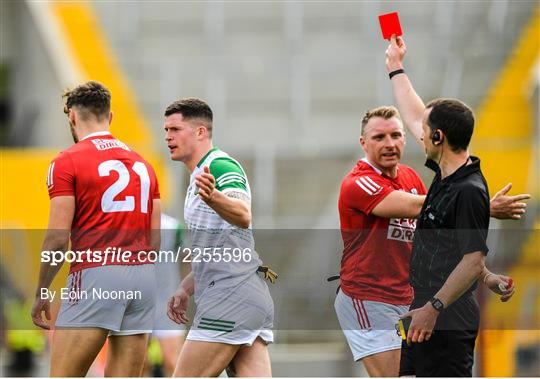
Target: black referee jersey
454,221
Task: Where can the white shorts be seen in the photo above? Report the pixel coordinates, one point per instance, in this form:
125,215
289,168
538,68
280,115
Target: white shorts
169,333
369,326
235,316
118,298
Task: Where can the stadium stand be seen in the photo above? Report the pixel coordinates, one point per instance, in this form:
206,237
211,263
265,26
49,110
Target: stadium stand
288,82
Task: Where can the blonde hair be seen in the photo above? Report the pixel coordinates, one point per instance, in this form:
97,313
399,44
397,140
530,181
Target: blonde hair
385,112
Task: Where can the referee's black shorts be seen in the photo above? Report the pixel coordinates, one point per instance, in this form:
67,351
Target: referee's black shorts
450,350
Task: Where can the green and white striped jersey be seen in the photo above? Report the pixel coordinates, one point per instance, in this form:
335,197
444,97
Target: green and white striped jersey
221,254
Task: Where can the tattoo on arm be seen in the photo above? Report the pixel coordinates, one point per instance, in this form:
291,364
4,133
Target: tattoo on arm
239,195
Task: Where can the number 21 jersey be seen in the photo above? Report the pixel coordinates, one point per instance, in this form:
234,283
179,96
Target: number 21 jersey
114,189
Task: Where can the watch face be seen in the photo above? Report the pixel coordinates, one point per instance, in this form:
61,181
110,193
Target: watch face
437,304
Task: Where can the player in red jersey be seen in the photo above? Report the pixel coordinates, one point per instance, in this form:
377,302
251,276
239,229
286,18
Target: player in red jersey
378,204
377,240
105,198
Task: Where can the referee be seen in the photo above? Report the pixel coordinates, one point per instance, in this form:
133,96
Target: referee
448,249
449,245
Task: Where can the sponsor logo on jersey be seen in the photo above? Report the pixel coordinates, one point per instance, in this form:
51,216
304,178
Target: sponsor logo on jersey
106,144
401,229
368,185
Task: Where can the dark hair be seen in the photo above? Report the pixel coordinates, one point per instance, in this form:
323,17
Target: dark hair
455,119
89,98
385,112
192,108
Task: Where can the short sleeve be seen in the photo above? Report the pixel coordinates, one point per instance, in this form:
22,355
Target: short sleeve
155,192
228,174
61,176
472,220
364,192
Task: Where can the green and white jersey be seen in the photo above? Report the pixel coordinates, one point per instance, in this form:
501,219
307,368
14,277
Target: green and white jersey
222,254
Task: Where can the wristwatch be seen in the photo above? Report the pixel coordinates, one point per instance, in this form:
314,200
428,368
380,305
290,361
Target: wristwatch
437,304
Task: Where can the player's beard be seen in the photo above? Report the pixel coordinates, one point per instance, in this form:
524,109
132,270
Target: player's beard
73,134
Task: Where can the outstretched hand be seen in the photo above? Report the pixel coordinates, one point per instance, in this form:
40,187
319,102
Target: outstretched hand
395,53
508,207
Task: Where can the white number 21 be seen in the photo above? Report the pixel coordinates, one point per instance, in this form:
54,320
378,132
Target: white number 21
108,204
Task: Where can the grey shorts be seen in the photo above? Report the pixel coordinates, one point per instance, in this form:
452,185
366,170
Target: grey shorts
235,316
118,298
369,326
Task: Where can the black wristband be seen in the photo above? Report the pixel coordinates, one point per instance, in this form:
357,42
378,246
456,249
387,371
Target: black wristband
395,72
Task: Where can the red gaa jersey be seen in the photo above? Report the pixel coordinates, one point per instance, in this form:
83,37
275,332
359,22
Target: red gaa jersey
376,250
113,188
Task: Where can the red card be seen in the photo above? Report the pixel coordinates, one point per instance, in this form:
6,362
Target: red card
390,25
510,283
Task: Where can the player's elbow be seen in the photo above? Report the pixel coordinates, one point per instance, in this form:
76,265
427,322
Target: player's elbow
476,263
242,218
244,221
416,210
418,204
57,239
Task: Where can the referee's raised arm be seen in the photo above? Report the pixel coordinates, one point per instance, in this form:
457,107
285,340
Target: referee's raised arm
410,105
413,111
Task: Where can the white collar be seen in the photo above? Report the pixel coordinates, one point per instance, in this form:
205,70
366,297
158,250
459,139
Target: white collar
96,134
373,167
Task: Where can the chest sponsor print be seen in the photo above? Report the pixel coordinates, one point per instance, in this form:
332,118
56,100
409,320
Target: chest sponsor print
401,229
